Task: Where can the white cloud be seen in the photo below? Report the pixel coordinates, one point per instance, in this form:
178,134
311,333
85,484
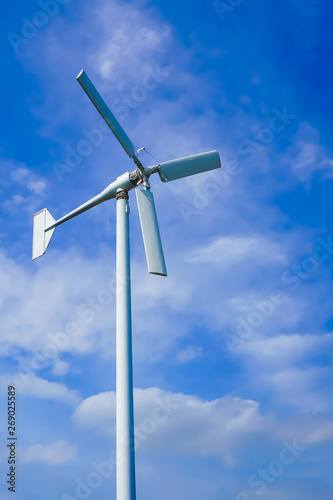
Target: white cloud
20,174
52,454
282,349
60,368
228,250
321,434
37,187
30,385
56,293
47,300
16,201
159,312
126,52
98,411
190,353
23,176
302,389
307,156
123,43
29,186
285,365
116,59
183,424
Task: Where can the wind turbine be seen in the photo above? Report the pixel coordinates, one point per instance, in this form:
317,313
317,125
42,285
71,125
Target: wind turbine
43,229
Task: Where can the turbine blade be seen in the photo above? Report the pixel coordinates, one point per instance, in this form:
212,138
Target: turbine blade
183,167
150,232
106,114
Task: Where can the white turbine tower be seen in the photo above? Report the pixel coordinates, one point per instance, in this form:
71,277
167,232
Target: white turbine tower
44,226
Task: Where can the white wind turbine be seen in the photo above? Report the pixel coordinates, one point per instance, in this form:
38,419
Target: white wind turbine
43,229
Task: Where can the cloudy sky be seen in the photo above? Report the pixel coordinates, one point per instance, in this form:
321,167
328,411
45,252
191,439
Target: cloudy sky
233,350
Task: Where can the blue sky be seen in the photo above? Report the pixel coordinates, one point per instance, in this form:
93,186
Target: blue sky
233,351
